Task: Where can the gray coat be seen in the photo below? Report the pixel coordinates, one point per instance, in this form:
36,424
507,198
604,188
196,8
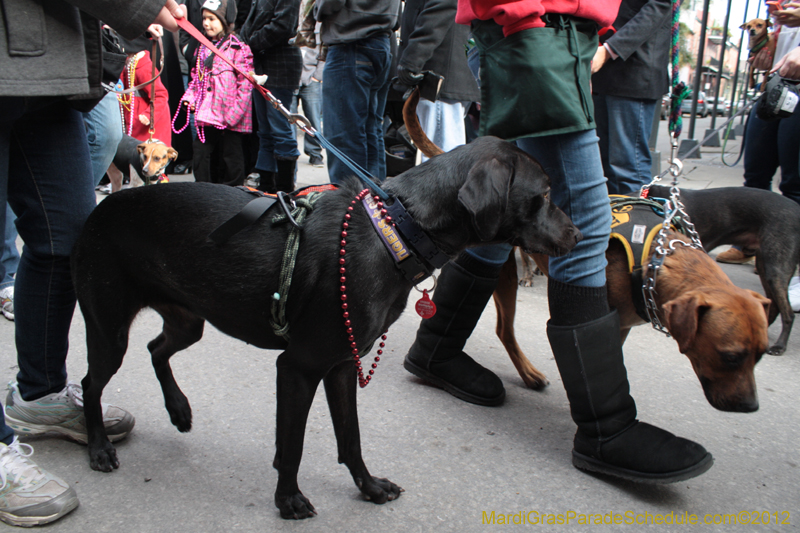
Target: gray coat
345,21
431,40
54,48
642,41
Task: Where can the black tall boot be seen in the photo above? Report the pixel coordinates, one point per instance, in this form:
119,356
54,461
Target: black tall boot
266,181
284,178
609,439
463,288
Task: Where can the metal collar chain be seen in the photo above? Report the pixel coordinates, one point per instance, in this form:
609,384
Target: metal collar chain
674,207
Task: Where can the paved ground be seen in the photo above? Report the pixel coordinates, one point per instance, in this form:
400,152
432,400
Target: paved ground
457,462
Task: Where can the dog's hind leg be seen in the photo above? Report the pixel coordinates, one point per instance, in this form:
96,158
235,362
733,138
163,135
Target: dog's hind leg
296,389
181,329
505,301
340,389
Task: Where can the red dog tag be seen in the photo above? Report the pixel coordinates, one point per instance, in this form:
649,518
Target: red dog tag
425,307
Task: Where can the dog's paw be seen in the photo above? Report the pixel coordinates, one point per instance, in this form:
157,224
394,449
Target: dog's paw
379,490
776,350
535,380
295,507
180,414
526,282
103,458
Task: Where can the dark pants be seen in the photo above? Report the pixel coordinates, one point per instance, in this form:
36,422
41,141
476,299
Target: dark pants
768,146
229,145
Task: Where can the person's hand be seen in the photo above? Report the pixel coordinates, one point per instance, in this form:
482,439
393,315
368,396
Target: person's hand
155,30
600,58
144,119
789,15
762,60
789,65
172,10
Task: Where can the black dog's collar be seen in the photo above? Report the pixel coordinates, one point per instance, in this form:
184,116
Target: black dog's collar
415,269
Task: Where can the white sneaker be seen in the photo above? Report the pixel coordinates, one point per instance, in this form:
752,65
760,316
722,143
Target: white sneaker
794,294
30,496
62,412
7,302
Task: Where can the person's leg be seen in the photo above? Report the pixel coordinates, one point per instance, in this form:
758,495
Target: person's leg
9,262
761,155
201,154
51,189
789,156
584,332
284,142
311,95
443,123
104,132
265,162
376,51
233,155
345,101
624,131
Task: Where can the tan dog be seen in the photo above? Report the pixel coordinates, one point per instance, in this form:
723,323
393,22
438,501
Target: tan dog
148,159
721,328
759,38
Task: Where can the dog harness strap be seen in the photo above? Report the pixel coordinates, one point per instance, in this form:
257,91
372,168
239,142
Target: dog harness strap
637,294
246,217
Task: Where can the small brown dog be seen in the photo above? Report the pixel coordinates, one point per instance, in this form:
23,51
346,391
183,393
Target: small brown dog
148,159
721,328
759,38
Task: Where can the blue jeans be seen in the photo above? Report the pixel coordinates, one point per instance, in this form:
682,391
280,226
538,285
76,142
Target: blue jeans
311,97
46,177
356,82
623,126
276,138
104,132
769,145
9,261
578,187
443,122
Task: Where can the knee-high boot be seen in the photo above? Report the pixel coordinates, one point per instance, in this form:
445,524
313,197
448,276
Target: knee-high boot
609,440
266,181
463,289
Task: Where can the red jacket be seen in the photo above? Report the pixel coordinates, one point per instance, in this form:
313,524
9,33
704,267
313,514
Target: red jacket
518,15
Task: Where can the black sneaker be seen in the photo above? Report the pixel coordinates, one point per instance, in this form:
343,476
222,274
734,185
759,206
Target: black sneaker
316,161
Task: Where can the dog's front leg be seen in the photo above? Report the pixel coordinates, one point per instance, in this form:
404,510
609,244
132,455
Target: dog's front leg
340,389
102,455
296,388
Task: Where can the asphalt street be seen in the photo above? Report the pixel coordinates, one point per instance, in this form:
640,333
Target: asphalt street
464,468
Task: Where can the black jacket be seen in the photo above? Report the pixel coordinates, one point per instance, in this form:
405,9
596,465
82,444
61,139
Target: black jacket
267,30
642,41
431,40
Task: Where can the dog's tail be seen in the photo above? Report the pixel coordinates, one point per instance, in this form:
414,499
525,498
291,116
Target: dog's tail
421,141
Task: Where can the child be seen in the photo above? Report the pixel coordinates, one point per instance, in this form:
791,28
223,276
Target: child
135,107
220,98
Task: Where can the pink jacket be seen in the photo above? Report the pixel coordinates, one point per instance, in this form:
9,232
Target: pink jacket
518,15
221,97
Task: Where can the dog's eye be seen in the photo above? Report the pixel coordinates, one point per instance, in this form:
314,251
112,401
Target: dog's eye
732,359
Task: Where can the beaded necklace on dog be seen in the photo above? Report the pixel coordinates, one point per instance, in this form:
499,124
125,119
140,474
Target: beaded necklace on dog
363,380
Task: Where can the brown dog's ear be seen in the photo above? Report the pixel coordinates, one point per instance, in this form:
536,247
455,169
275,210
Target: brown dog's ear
140,148
743,27
172,153
682,315
763,300
485,196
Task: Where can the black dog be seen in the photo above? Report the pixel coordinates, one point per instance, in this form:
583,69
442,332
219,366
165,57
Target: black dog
758,221
485,192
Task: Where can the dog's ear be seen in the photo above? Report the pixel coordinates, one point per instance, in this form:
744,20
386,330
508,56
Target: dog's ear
172,153
743,27
485,196
140,148
763,300
682,316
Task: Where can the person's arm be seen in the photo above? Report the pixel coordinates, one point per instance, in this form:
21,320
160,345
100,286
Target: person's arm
430,28
789,65
641,27
789,15
279,28
131,18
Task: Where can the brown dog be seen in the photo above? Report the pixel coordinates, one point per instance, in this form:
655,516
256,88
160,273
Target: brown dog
721,328
759,37
148,159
